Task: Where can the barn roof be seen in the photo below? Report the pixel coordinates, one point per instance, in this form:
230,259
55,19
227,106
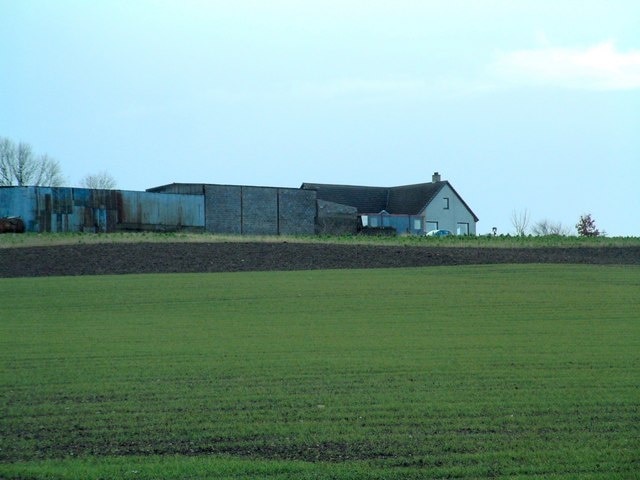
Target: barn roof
365,199
404,199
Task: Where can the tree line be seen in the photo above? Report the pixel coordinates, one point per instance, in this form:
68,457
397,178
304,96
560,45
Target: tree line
586,226
20,166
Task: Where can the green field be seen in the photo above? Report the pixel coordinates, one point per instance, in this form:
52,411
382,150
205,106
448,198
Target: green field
459,372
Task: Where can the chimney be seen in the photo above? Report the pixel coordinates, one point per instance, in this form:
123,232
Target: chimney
436,177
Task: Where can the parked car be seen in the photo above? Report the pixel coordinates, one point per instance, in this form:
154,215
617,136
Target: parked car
438,233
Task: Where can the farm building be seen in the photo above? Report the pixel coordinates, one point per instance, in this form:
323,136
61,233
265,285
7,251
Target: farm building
414,209
251,210
65,209
243,210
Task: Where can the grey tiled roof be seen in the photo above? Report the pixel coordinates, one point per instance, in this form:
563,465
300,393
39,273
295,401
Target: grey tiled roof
411,199
405,199
365,199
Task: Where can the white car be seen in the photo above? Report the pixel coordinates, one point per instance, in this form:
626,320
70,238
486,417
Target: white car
438,233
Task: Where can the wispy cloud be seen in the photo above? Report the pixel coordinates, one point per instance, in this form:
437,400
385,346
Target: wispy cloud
367,87
599,67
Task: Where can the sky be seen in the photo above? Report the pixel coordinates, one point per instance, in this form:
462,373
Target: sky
523,106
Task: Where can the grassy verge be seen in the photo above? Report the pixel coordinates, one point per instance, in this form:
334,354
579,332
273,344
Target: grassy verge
226,468
465,372
53,239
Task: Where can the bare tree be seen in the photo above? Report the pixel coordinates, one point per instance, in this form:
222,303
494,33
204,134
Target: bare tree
101,180
7,153
520,221
546,227
19,166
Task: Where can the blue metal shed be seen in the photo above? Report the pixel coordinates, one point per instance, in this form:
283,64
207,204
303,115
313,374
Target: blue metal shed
63,209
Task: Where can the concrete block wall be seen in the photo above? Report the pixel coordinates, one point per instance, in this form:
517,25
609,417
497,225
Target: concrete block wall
259,211
245,210
223,209
297,211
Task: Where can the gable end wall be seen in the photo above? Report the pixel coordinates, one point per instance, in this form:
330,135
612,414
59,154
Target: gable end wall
448,219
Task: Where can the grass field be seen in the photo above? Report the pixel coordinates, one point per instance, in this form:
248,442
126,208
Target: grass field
461,372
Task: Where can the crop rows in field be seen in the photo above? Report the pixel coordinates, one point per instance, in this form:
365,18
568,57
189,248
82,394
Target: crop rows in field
464,372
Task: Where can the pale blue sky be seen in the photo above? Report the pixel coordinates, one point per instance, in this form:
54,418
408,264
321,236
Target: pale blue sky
519,104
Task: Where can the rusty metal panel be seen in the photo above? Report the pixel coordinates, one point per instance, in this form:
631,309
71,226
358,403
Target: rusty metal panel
160,211
62,200
47,209
44,208
95,210
58,210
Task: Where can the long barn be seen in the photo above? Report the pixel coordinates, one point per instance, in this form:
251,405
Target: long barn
242,210
66,209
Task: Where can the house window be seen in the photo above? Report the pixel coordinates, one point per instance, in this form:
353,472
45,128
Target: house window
373,222
365,220
462,229
431,226
445,203
417,224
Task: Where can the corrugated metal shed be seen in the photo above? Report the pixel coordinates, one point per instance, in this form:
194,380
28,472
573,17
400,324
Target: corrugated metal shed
16,202
50,209
160,211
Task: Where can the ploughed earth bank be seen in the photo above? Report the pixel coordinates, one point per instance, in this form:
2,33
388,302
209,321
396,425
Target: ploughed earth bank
124,258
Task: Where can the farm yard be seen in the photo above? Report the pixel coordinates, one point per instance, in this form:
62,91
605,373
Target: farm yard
500,363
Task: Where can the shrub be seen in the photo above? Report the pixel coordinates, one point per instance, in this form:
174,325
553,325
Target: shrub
586,226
